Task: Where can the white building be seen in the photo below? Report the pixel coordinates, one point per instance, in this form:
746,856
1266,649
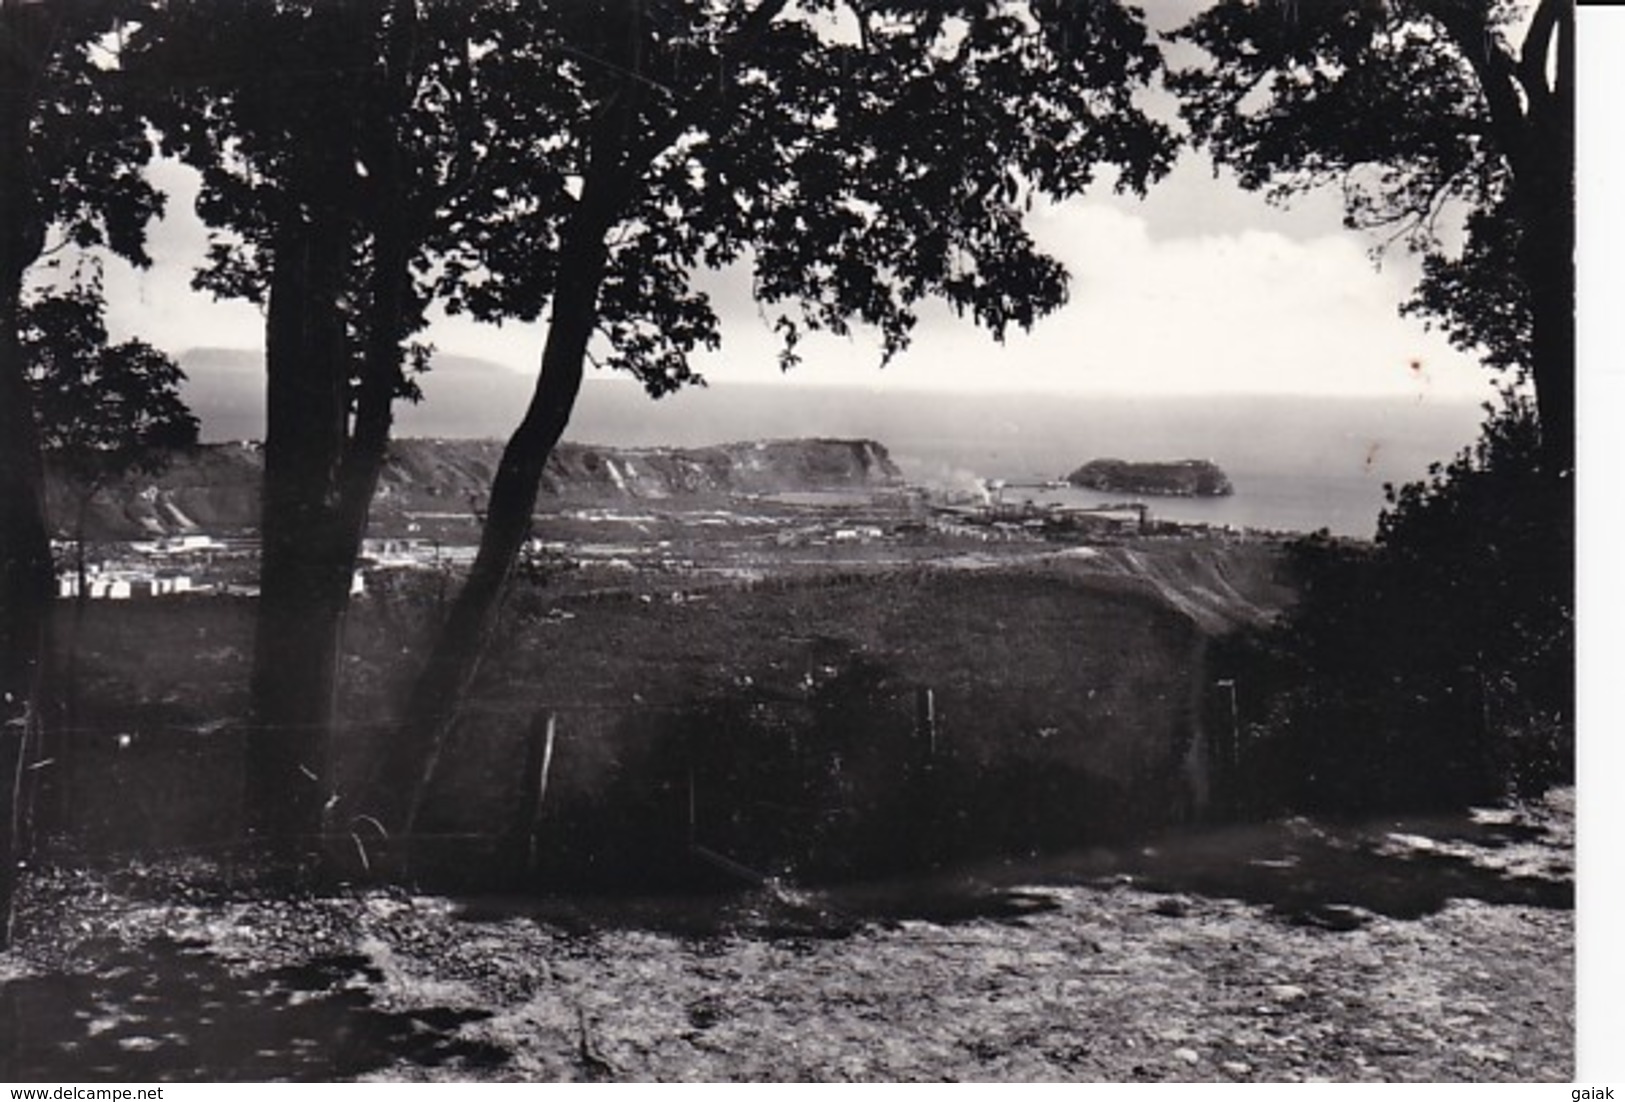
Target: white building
120,587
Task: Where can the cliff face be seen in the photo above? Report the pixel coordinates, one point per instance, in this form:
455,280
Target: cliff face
457,469
216,488
1175,478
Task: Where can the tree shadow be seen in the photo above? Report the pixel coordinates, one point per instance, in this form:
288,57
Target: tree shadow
171,1011
1310,871
1335,875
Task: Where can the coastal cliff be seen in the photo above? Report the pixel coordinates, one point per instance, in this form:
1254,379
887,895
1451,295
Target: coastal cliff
216,487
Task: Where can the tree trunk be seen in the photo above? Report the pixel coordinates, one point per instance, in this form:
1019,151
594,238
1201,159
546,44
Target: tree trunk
1548,264
1546,255
26,573
319,475
1545,186
618,154
56,786
304,571
25,601
296,652
463,638
1530,106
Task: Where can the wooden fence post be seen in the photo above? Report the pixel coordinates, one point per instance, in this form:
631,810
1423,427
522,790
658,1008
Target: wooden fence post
13,741
925,722
693,816
538,765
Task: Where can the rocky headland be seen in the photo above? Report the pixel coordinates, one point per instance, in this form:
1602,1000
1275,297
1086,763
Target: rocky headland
216,487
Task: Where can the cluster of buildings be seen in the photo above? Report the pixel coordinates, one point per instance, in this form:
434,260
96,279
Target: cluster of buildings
196,563
121,585
163,567
823,535
174,565
996,520
395,553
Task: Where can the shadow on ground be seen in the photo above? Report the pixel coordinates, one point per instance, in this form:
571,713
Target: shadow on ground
171,1011
1298,868
1334,875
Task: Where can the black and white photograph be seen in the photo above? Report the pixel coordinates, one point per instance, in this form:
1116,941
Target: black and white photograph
778,541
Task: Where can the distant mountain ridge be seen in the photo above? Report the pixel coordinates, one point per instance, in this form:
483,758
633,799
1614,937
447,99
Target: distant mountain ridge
216,487
463,396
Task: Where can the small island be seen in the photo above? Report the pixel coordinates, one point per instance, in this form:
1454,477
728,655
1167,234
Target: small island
1171,478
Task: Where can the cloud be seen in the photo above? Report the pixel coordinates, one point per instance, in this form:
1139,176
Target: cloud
1243,311
157,304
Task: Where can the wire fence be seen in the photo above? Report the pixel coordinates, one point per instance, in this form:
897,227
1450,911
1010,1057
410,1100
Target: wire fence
149,786
847,778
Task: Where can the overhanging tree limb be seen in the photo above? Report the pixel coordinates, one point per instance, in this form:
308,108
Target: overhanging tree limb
1497,74
1536,55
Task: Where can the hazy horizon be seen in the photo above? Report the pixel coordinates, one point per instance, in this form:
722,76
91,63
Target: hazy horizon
226,389
1298,462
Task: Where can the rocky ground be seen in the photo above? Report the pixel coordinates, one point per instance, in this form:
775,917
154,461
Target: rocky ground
1115,977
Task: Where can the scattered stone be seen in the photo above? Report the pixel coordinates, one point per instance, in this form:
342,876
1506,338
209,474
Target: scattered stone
1172,906
906,1003
1338,917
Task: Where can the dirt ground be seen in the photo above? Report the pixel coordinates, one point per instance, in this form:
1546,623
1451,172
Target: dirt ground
1115,978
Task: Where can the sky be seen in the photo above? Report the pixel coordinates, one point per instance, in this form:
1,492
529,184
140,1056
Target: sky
1200,288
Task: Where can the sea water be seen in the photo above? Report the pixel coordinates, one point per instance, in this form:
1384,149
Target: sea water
1297,464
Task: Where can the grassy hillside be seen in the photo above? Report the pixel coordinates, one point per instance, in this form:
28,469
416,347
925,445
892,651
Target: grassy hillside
1063,707
1061,710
